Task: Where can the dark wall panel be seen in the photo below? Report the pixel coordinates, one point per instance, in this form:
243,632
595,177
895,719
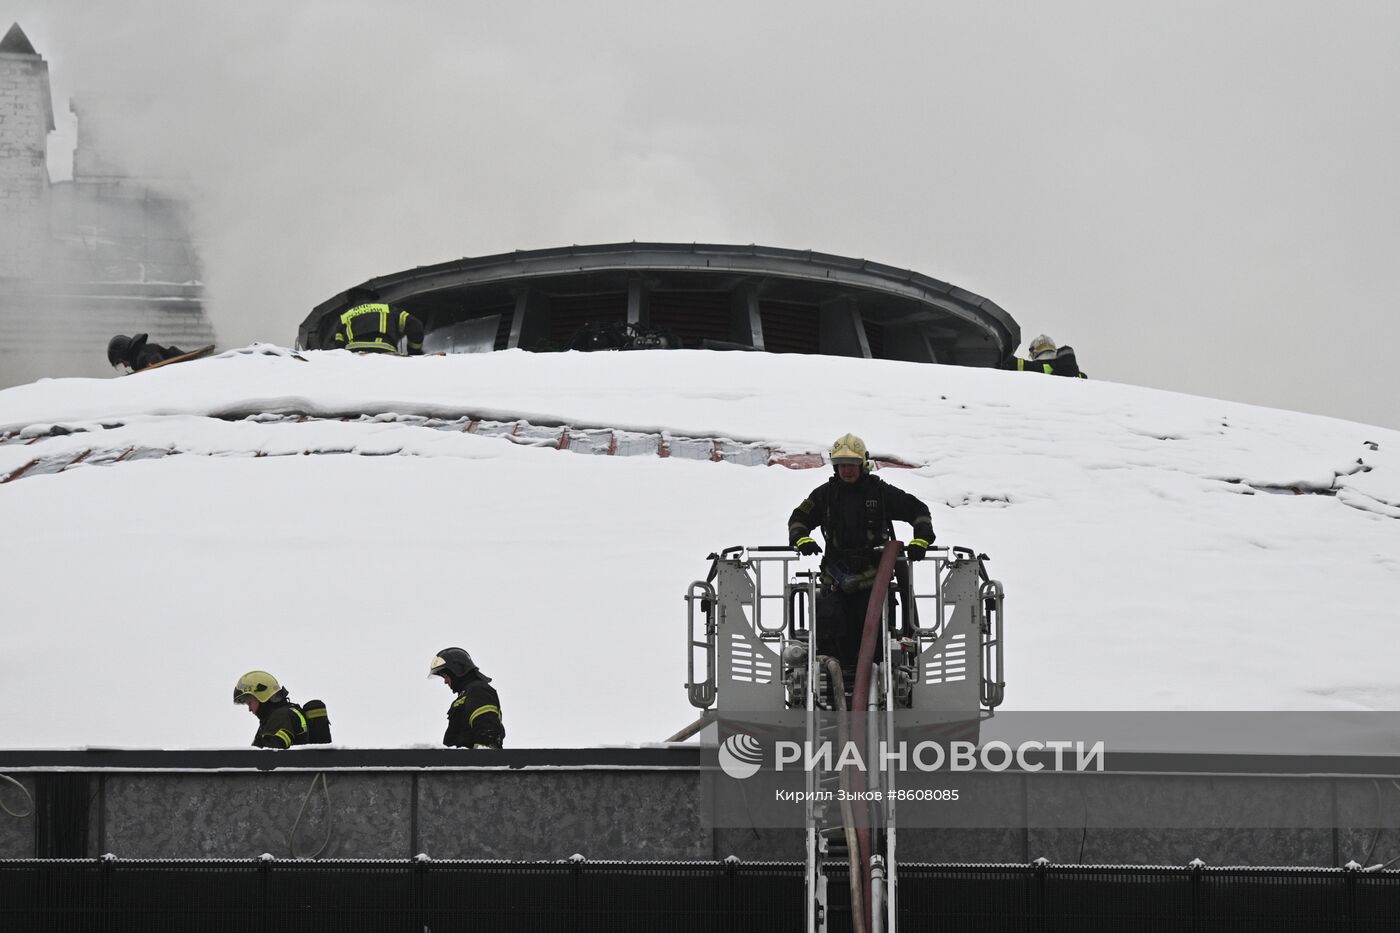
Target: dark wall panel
789,327
568,313
692,316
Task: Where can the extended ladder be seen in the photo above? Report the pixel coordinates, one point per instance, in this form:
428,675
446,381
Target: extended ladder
936,658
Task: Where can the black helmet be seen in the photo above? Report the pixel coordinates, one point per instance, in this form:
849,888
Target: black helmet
116,348
455,662
123,349
361,295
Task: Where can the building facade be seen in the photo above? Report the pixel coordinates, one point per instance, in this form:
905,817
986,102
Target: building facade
26,119
109,252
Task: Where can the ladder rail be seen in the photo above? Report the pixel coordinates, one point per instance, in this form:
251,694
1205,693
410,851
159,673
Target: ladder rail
883,905
816,877
757,557
702,694
940,563
994,684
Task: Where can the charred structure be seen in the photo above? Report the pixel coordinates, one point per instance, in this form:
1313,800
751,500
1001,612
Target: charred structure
691,296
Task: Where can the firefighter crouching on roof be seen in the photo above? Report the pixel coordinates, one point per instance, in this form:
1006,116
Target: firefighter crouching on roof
372,326
474,718
1047,358
281,723
135,353
855,512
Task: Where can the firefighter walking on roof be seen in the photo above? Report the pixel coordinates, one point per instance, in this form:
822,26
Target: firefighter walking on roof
281,723
474,718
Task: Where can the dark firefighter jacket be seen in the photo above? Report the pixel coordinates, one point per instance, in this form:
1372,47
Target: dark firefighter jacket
1063,363
142,354
855,519
281,724
376,328
474,718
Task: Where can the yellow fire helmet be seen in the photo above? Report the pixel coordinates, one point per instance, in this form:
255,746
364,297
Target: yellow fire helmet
260,685
849,449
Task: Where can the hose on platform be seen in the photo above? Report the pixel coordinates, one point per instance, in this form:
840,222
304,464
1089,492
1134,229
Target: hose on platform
870,637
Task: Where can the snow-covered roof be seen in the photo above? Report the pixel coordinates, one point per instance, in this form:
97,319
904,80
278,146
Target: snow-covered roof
1159,551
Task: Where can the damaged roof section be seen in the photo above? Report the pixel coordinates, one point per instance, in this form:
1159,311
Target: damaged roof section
47,449
93,445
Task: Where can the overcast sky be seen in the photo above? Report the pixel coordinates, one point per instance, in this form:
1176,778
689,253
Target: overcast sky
1198,196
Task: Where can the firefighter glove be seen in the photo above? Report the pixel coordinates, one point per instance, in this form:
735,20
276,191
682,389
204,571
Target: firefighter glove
916,549
807,547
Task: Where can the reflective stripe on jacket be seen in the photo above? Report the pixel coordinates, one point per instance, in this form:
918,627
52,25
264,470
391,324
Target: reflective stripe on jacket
474,718
855,522
280,725
376,328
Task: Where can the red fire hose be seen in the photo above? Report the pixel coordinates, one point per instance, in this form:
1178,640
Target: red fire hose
870,637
